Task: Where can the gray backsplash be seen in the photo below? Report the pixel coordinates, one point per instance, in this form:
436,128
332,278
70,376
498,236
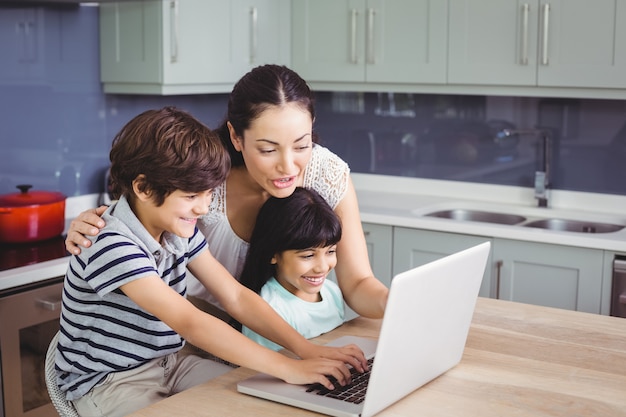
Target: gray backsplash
56,125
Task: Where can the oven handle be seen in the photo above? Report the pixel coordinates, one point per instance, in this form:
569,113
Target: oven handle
49,304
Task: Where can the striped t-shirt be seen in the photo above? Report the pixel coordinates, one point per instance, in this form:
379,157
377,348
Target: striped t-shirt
102,330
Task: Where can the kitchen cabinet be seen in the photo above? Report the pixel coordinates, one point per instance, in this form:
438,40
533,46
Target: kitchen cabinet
414,247
548,275
191,46
535,273
550,43
22,45
379,240
401,41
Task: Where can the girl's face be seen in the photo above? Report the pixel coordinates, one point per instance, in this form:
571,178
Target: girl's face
178,214
303,272
277,147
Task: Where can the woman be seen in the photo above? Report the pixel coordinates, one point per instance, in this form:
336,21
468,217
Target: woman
269,135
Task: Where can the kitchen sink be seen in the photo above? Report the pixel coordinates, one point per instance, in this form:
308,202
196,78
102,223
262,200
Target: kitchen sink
574,226
478,216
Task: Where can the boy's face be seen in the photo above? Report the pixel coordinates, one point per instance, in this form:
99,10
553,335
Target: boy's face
303,272
178,214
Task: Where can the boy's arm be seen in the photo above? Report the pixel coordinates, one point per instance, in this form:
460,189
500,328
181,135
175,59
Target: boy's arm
217,337
251,310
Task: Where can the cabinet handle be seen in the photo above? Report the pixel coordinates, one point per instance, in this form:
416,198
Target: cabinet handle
546,27
371,52
52,305
498,274
174,31
354,14
254,17
525,12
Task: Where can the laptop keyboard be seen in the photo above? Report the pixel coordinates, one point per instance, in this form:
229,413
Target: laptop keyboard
354,392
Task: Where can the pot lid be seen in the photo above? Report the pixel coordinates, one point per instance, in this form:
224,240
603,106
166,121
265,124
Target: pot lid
30,198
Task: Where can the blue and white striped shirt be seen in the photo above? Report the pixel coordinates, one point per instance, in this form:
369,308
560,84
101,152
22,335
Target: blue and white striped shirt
102,330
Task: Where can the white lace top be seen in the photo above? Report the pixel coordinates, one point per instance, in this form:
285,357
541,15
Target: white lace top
326,173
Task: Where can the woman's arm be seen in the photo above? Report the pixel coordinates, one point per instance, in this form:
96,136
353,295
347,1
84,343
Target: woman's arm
365,294
87,223
251,310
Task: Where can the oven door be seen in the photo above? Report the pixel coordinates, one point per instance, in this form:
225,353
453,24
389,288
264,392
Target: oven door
29,320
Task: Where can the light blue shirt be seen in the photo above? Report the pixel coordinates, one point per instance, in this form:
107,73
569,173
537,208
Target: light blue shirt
309,319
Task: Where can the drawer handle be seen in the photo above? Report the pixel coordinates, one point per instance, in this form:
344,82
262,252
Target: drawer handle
52,305
622,299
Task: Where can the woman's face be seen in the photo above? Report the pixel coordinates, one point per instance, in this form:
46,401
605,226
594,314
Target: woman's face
277,147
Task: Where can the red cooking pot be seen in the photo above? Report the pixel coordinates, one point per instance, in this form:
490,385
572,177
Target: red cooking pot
30,216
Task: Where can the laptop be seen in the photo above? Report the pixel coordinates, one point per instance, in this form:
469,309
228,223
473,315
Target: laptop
422,335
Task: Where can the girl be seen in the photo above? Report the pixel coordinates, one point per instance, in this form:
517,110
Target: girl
292,250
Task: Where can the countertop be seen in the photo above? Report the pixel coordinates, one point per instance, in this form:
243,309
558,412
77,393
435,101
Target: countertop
520,359
399,201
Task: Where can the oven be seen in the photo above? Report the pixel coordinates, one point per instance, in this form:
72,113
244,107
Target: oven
30,306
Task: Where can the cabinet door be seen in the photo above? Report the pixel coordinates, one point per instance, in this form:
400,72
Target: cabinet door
22,45
379,250
406,41
328,40
548,275
401,41
414,247
260,34
493,42
585,44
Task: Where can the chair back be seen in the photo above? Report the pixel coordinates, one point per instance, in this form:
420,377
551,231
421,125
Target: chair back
63,407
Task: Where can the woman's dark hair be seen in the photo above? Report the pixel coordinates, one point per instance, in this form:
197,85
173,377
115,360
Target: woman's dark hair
301,221
263,87
172,150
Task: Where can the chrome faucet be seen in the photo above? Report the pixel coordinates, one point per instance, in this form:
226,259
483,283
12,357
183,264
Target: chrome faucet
542,177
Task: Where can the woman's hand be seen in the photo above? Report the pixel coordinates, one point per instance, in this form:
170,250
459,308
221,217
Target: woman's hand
88,223
349,354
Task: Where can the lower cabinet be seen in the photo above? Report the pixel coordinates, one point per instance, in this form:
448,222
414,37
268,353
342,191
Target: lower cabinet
379,239
550,275
414,247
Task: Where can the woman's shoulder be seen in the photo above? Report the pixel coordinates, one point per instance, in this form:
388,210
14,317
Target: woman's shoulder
327,174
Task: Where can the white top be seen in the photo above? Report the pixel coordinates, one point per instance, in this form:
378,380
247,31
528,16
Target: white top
309,319
325,173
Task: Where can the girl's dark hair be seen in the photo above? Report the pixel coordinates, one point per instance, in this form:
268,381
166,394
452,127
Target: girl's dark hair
301,221
172,150
263,87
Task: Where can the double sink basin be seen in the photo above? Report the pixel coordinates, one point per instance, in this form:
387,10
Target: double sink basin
557,224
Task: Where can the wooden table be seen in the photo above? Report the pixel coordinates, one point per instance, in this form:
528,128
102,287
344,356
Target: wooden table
520,360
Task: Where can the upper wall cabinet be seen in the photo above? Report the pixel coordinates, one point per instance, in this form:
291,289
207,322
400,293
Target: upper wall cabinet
400,41
550,43
22,45
189,46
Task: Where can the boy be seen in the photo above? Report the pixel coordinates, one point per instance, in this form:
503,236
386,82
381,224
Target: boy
125,316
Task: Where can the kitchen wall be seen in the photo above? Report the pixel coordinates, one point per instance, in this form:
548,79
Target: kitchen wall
56,125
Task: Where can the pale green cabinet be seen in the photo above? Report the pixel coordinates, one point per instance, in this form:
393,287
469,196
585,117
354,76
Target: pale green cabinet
549,43
189,46
414,247
548,275
379,240
400,41
528,272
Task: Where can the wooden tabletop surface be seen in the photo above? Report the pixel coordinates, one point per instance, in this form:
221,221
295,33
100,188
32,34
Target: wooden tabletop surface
520,360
